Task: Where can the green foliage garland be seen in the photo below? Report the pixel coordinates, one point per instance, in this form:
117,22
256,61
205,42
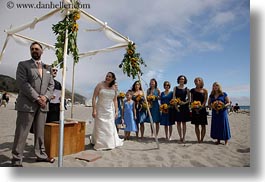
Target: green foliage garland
132,61
68,23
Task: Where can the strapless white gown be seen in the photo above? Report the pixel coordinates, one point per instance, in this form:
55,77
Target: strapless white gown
105,135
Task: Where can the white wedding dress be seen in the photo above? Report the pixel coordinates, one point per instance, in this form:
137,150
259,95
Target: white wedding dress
105,135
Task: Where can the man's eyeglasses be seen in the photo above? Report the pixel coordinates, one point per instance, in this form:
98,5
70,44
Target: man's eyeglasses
54,71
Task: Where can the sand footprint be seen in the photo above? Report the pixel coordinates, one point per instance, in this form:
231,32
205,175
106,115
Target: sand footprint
245,150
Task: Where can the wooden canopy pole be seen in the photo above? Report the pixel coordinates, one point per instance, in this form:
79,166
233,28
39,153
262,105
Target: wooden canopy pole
148,111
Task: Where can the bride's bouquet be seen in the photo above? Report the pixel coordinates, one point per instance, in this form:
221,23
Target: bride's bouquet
196,106
175,103
217,106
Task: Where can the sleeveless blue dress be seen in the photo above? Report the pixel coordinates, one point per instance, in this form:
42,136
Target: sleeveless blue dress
129,116
155,110
165,99
141,113
220,128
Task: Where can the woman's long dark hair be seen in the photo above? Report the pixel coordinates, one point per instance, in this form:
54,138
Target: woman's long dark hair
133,86
114,79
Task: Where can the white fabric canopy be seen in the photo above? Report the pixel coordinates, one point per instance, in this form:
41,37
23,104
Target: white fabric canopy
111,34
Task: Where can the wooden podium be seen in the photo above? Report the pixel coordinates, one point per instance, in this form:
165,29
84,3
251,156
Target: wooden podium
74,137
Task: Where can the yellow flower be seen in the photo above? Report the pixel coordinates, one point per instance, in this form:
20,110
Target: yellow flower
164,108
75,27
138,98
175,101
196,104
145,105
76,16
151,97
130,52
121,95
133,60
218,105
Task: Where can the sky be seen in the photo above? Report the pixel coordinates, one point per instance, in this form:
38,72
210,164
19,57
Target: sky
206,38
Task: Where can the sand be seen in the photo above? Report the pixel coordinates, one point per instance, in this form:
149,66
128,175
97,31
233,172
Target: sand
141,153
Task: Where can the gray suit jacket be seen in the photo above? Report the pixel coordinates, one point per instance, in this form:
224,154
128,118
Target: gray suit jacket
31,85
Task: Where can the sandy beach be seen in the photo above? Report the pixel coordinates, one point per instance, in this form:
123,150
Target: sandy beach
141,153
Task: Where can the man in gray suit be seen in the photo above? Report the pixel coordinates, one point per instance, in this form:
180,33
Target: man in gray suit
35,84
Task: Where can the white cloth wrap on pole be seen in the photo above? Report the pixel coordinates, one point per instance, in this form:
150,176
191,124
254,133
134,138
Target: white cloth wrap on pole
32,23
108,49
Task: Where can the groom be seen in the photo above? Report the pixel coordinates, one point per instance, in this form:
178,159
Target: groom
35,84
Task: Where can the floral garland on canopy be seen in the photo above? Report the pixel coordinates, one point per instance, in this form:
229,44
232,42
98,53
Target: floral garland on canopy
132,61
68,23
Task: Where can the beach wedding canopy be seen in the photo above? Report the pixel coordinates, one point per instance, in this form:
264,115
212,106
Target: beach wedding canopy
120,40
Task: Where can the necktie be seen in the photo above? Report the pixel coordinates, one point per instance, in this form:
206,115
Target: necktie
39,66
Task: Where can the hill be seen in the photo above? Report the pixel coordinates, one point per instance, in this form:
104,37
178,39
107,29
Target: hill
8,84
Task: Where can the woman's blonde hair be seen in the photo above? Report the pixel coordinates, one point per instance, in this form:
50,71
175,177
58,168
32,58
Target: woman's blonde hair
202,82
219,91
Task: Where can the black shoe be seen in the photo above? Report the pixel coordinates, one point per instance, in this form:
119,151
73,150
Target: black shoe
50,160
17,165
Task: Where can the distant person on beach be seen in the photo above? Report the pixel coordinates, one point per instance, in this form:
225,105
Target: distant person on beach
129,115
4,99
35,84
105,110
199,114
236,108
220,129
54,105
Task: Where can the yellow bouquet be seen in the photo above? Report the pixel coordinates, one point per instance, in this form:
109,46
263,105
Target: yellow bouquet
151,97
121,95
164,108
196,105
144,105
218,105
139,98
175,103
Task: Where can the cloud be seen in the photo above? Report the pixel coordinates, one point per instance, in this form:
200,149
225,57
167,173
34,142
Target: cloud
164,31
223,18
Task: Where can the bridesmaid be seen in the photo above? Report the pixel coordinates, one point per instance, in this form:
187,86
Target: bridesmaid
138,98
199,117
154,91
183,116
166,96
220,129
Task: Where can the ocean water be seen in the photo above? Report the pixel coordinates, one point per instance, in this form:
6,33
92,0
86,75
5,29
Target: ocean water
245,108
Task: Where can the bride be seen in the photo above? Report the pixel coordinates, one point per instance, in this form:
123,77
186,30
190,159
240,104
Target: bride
105,110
